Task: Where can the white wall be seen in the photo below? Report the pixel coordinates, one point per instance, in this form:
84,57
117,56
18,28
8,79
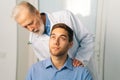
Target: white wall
22,51
108,39
8,41
14,51
112,41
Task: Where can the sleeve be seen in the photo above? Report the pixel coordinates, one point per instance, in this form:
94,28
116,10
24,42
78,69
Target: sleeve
84,38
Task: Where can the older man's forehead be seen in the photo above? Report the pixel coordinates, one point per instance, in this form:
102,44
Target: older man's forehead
24,17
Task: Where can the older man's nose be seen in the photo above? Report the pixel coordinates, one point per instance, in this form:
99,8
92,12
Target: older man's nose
30,28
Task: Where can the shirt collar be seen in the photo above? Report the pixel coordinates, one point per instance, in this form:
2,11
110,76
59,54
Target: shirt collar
68,64
48,63
47,21
47,26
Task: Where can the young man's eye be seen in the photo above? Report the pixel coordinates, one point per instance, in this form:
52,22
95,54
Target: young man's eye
63,38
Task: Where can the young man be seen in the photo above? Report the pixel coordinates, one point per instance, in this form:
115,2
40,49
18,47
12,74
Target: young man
40,26
59,65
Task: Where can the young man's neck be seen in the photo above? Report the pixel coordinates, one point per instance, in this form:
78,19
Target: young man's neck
58,62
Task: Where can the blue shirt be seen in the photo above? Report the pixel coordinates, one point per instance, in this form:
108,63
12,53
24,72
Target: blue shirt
47,26
45,70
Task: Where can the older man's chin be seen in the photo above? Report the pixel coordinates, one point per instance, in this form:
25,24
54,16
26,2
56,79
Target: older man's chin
40,31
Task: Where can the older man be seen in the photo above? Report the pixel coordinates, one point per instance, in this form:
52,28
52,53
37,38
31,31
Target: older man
40,26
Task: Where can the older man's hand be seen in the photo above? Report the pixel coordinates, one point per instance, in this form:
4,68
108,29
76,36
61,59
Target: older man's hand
77,63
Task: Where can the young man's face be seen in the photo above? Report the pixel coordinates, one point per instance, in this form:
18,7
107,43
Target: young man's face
31,22
59,42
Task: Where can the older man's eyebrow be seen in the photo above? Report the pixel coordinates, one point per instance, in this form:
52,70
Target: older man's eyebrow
52,34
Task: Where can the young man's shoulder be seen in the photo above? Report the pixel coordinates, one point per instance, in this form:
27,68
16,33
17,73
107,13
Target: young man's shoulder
39,64
82,70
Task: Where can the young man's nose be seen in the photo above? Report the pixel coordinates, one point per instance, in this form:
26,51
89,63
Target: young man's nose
56,41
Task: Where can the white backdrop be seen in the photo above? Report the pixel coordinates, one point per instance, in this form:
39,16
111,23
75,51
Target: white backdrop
8,41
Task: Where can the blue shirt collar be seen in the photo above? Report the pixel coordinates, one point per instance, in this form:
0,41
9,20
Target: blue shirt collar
47,26
68,64
47,21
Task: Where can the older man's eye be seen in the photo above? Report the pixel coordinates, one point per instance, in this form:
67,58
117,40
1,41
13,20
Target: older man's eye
25,26
52,37
30,23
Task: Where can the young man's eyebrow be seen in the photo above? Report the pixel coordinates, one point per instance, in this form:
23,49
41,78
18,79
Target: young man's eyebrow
60,35
63,35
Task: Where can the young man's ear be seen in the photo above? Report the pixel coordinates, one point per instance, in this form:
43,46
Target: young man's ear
71,44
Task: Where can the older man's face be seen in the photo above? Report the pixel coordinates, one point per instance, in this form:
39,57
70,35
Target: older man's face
31,22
